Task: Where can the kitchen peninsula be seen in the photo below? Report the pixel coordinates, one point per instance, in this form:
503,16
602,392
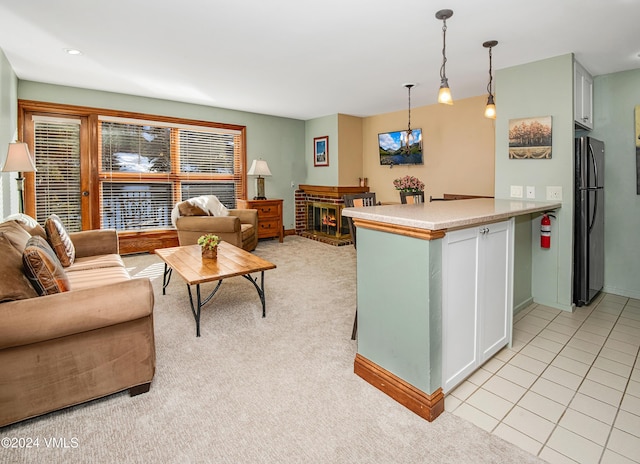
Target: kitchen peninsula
434,293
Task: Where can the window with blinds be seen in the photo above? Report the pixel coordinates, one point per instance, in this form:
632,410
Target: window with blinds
57,181
146,167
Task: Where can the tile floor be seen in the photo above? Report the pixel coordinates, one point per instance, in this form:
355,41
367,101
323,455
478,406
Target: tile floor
568,390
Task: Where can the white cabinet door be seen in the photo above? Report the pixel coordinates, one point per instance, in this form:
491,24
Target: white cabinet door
494,288
582,96
477,276
459,306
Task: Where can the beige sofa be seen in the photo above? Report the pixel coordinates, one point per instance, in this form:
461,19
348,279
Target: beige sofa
66,348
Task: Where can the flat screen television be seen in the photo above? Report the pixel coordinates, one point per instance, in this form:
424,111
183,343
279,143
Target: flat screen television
393,149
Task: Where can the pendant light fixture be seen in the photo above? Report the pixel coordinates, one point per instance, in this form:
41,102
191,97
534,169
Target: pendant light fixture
444,95
407,140
490,109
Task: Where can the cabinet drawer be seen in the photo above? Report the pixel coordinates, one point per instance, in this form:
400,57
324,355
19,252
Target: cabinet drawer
265,212
268,228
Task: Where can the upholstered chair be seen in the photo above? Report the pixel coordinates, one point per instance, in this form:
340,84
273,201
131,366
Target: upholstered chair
239,227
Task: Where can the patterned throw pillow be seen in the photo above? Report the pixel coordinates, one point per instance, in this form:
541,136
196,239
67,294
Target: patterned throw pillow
42,267
60,241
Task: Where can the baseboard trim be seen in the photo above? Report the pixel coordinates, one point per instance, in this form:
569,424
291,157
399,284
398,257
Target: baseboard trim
525,304
428,407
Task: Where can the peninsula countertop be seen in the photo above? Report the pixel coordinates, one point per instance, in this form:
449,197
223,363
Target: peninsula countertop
440,215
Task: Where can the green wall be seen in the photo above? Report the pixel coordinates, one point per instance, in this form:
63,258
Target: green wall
400,313
615,97
319,127
8,130
279,141
542,88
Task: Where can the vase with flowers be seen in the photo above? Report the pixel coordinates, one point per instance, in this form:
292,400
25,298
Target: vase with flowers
209,245
408,184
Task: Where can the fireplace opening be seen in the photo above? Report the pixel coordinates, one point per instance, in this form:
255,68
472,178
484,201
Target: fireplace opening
326,219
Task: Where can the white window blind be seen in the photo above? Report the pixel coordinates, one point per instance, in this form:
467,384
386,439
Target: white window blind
147,167
57,180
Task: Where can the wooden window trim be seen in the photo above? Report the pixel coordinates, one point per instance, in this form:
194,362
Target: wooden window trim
91,180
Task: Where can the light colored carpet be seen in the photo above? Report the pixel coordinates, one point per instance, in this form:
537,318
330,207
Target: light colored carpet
252,390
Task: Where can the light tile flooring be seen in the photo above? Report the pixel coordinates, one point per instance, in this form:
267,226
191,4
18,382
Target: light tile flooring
568,390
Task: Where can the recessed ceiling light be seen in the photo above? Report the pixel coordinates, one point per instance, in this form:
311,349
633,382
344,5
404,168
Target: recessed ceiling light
73,51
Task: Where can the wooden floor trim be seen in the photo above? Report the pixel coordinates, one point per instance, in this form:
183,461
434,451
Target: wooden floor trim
428,407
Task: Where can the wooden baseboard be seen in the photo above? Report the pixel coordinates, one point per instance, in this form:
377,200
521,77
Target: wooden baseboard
428,407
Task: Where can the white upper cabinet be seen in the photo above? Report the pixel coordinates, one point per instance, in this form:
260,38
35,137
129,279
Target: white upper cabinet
582,96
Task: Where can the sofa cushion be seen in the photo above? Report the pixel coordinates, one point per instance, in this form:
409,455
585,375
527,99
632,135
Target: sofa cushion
94,262
248,231
42,267
14,285
59,239
187,209
15,234
27,223
97,277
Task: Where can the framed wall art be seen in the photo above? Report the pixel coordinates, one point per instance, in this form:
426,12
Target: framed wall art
530,138
394,149
321,151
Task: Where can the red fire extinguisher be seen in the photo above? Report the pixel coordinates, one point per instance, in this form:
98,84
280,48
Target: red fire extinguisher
545,231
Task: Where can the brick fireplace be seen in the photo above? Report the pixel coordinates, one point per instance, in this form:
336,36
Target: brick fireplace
319,213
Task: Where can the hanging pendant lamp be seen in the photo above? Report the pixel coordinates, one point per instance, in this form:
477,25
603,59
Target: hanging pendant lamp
444,95
408,140
490,109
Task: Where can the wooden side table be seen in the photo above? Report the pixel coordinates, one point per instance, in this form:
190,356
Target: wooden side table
269,216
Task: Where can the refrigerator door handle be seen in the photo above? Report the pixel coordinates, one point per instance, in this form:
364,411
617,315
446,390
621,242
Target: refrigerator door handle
592,221
594,164
595,172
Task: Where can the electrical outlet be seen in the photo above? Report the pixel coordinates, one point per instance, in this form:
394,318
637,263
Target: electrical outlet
531,191
554,193
516,191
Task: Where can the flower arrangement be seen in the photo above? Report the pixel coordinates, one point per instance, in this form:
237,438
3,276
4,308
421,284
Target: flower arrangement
208,241
409,184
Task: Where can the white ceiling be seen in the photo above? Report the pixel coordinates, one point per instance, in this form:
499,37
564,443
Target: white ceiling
306,58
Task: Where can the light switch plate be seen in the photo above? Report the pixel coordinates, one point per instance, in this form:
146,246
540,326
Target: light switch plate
531,192
516,191
554,193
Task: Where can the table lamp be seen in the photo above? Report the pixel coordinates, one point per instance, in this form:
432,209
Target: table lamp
259,168
19,160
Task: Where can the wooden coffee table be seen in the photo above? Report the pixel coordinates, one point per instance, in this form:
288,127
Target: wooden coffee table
232,261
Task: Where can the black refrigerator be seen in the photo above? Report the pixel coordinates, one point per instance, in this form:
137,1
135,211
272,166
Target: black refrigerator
588,253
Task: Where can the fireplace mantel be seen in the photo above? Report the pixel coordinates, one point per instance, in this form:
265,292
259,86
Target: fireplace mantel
332,191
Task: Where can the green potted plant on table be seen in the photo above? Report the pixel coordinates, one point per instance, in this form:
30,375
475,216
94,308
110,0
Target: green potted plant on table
209,245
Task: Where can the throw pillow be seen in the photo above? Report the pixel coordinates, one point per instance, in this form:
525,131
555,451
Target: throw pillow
60,241
14,285
27,223
42,267
15,234
187,209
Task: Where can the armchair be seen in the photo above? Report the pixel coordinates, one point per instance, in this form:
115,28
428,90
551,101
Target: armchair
239,227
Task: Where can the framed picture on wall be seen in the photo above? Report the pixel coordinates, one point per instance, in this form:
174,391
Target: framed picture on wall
530,138
321,151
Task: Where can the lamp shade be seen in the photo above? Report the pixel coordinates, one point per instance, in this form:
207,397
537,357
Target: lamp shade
444,94
18,158
259,167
